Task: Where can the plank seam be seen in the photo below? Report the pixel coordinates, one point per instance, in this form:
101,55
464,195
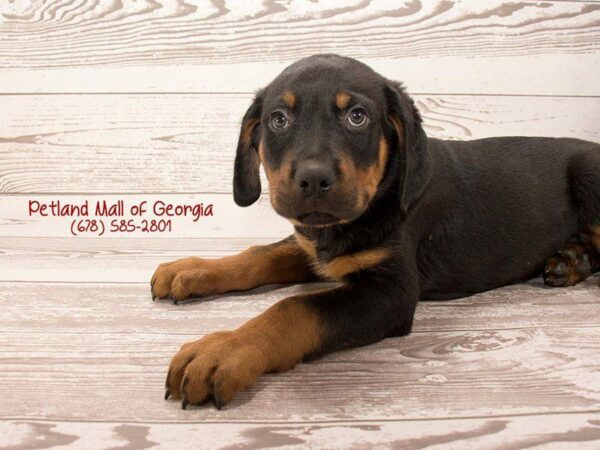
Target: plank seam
275,422
436,331
237,93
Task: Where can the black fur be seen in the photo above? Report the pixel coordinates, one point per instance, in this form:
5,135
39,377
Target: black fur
459,217
246,177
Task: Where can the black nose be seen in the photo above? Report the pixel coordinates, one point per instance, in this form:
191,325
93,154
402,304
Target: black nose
315,177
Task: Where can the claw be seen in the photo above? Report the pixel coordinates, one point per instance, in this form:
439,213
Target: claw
167,380
167,394
184,403
218,404
175,301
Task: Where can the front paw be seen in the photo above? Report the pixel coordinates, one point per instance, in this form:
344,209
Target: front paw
216,367
185,278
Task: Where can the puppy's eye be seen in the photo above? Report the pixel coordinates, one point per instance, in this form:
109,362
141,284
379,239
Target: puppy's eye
279,121
357,117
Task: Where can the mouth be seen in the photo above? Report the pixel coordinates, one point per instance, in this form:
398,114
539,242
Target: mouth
318,218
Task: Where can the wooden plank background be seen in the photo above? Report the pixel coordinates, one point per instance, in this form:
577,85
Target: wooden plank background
142,99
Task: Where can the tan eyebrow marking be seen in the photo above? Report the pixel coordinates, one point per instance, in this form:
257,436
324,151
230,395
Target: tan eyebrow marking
289,98
342,99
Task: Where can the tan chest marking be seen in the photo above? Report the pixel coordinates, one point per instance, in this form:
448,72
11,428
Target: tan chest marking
306,245
341,266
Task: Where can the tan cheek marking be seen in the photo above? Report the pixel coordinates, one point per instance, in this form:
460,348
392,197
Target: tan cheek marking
275,177
289,99
375,172
349,180
342,99
341,266
344,168
348,170
369,179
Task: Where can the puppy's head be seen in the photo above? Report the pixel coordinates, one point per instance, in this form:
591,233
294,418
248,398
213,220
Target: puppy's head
332,135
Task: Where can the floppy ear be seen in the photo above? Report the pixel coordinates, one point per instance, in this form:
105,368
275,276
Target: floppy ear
410,143
246,176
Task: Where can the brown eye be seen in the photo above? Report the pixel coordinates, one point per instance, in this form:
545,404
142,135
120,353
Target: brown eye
357,117
279,120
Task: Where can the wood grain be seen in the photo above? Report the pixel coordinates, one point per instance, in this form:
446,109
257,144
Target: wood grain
126,307
142,99
126,33
186,143
513,432
439,46
542,75
72,349
108,260
124,260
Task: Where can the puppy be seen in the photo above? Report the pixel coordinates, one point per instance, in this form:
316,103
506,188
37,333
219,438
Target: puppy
391,214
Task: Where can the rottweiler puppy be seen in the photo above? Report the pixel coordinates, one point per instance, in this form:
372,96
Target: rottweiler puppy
391,214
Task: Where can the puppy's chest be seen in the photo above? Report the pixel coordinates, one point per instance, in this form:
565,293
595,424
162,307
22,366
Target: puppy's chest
334,262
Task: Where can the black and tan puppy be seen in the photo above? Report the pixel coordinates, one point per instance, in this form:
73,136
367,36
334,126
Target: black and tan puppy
393,215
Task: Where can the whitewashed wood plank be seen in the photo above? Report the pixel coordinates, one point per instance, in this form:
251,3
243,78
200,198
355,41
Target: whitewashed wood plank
120,376
227,220
99,352
176,46
186,143
571,75
548,431
106,260
122,308
126,260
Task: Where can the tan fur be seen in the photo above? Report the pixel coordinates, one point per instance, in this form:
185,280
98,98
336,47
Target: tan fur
222,364
289,99
367,180
306,245
276,178
342,99
399,129
595,237
246,134
280,263
292,329
341,266
373,175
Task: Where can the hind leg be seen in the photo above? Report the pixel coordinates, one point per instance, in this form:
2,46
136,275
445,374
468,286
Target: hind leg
577,260
580,256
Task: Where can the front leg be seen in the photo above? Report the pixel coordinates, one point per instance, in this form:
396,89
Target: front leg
220,365
279,263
